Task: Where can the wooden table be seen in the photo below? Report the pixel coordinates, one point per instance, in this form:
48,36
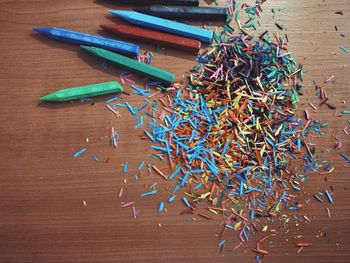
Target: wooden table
43,218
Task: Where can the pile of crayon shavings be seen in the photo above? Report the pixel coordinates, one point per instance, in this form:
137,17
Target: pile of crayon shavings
231,136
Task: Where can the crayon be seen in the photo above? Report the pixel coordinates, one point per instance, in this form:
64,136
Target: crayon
125,48
165,25
158,2
154,36
132,65
84,92
202,13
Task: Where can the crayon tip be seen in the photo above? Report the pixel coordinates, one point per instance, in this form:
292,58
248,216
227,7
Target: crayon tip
125,14
87,48
106,27
42,30
114,12
121,13
49,97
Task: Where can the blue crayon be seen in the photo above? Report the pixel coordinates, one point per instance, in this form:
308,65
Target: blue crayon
125,48
165,25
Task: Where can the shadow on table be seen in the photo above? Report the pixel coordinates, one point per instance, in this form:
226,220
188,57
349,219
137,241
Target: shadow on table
99,64
61,105
54,43
112,5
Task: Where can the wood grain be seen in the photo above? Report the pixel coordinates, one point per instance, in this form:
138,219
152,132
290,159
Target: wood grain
42,186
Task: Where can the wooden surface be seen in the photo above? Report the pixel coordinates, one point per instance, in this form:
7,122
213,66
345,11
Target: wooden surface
42,186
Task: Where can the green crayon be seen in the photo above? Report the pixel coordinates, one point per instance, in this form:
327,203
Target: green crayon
84,92
132,65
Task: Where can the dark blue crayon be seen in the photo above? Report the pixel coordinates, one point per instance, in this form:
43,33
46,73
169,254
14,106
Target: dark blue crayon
185,12
159,2
125,48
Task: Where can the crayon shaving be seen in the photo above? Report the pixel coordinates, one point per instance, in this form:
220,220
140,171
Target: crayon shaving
141,92
161,207
153,192
94,157
116,113
126,77
146,57
80,152
120,192
301,245
114,138
126,167
125,205
110,100
344,49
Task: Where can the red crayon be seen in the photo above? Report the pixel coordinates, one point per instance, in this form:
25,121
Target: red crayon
154,36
